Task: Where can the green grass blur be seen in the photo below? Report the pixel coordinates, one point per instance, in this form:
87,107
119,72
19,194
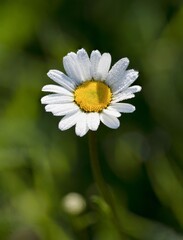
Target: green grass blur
142,160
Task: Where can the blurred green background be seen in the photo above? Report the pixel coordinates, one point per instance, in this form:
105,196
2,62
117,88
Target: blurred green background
142,160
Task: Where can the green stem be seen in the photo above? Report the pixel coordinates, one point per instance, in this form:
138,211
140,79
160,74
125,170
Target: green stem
102,186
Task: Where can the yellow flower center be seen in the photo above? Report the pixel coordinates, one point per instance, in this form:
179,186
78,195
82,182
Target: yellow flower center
92,96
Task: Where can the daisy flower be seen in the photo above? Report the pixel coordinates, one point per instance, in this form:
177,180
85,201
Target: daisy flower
90,92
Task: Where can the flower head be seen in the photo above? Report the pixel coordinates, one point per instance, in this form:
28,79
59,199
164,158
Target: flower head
73,203
90,92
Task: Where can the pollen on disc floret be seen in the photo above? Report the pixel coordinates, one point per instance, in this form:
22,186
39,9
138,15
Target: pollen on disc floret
92,96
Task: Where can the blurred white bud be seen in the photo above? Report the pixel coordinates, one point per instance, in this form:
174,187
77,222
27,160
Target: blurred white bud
73,203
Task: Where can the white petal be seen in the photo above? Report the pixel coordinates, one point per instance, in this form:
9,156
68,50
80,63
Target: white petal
123,107
117,71
121,97
103,66
109,121
56,98
56,89
134,89
126,94
72,67
94,58
129,77
62,79
85,64
69,120
93,121
81,126
61,109
112,111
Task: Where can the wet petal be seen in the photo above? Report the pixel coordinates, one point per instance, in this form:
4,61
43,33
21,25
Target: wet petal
129,77
94,58
72,67
126,94
85,64
117,71
103,66
62,79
